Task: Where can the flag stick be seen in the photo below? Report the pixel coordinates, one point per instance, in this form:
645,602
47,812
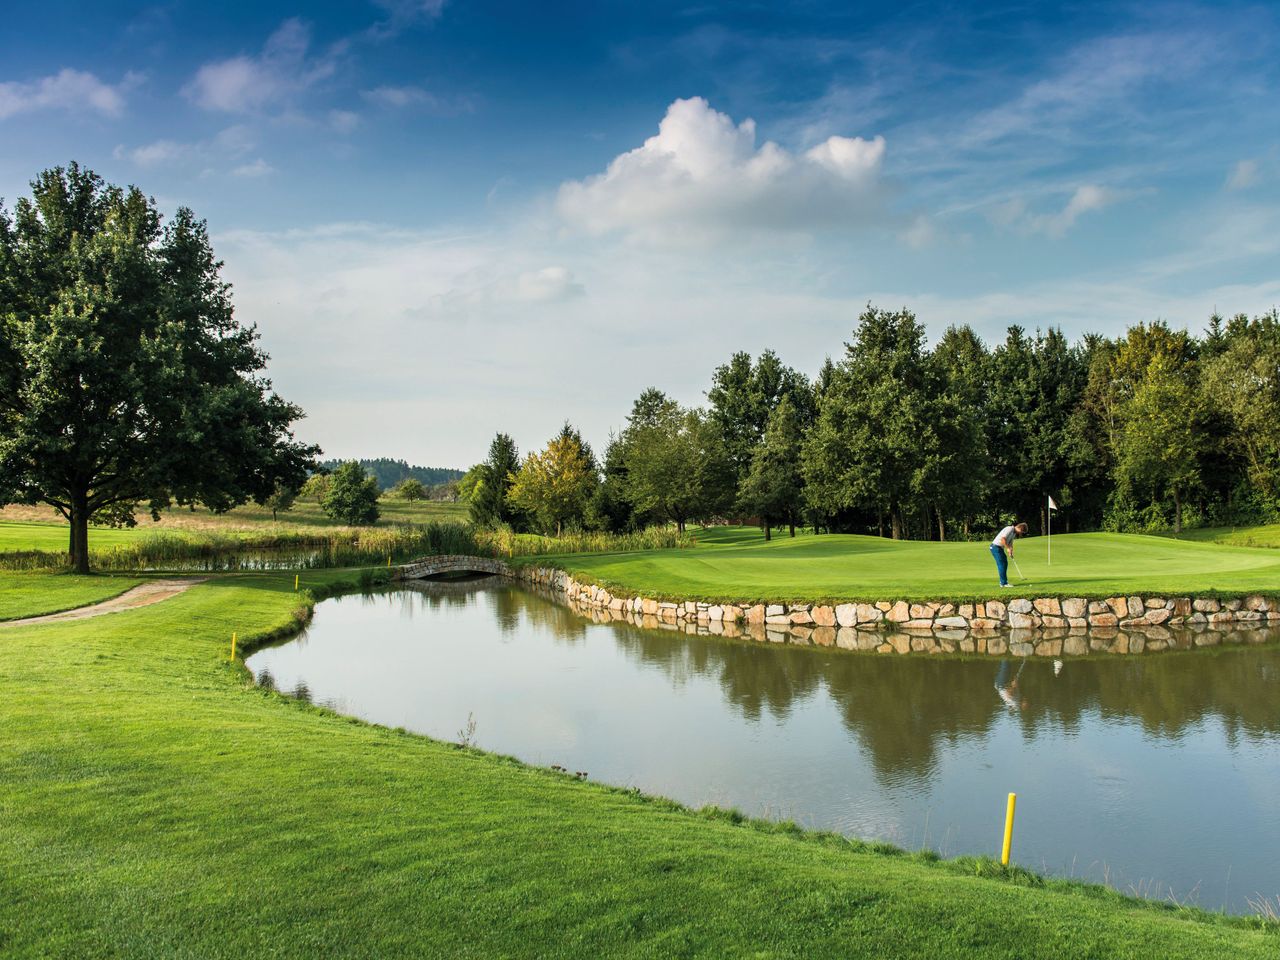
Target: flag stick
1050,545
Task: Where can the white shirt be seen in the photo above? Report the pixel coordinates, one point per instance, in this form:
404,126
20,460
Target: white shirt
1005,537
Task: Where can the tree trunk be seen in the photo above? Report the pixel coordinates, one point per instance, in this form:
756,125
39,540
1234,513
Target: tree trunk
793,528
942,526
879,524
895,521
80,532
1177,511
768,534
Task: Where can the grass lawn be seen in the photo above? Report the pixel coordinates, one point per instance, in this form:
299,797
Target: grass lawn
33,594
153,803
735,563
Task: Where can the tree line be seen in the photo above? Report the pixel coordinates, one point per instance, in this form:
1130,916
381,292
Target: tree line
1155,429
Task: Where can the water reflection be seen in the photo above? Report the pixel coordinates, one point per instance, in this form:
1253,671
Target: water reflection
1110,755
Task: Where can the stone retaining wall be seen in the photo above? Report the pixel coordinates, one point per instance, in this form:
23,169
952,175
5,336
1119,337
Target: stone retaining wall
1046,626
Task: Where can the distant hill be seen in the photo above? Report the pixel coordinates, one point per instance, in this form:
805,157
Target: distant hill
389,472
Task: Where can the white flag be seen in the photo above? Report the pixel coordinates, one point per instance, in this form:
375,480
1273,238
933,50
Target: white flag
1052,505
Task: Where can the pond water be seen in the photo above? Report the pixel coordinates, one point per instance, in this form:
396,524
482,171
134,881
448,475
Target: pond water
1159,775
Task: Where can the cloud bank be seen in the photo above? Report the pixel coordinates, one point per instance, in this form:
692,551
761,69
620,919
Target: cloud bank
703,175
71,90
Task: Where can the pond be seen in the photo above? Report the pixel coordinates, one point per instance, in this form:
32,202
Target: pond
1157,774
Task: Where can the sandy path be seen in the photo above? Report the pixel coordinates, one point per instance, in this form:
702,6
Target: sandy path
143,595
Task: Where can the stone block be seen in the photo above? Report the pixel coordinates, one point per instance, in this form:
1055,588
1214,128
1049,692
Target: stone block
1021,649
1020,606
1048,605
1159,615
1103,620
869,613
1208,605
951,623
982,623
1077,623
1053,623
779,620
923,644
715,612
997,647
847,638
1119,606
648,607
966,611
1155,603
900,612
801,615
776,636
900,642
847,614
996,609
1021,621
801,634
1182,607
756,613
923,611
1136,606
1099,606
824,636
774,610
1075,607
824,616
920,626
1049,648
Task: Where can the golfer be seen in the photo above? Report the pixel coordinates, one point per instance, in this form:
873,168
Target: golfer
1002,543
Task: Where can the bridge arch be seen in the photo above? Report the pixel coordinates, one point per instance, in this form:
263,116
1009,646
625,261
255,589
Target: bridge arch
456,563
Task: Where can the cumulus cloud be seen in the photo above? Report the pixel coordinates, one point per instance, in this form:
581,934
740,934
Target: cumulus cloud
1243,175
703,173
227,147
244,84
73,90
156,154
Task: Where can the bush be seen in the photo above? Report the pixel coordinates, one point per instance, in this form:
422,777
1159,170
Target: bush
352,496
410,488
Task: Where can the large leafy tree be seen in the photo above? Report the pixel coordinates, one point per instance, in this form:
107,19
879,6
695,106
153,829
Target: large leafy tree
774,487
1162,438
556,485
874,432
125,379
674,461
352,496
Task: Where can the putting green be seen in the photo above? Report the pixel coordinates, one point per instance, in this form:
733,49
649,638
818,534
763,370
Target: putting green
735,563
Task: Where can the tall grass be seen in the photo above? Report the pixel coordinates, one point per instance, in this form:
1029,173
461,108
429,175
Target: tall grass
211,551
503,542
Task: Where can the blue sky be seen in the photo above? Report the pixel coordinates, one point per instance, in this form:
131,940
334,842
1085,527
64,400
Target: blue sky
449,218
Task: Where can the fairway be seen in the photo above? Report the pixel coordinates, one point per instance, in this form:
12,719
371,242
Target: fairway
33,594
736,564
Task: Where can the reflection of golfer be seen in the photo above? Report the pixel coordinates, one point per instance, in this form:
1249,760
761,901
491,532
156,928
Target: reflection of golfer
1007,686
1002,543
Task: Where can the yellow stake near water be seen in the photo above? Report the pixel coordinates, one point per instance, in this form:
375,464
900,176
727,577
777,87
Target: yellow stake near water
1008,829
295,581
388,561
233,647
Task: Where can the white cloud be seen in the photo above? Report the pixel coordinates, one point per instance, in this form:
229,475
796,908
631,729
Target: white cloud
703,174
72,90
420,98
258,168
1086,198
245,84
1244,174
548,285
343,121
156,154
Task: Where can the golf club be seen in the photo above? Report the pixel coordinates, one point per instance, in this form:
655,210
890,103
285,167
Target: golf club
1021,576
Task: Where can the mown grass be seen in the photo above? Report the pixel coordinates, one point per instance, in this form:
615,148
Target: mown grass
154,803
736,564
34,594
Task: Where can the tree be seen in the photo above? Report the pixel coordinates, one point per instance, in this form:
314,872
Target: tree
316,487
1161,441
873,431
281,500
556,485
743,396
954,474
675,461
352,496
124,377
411,489
774,487
490,493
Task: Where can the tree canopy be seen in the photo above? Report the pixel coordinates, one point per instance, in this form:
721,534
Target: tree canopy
125,380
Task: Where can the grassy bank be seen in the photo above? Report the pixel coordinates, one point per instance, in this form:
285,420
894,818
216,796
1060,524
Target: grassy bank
736,564
33,594
153,803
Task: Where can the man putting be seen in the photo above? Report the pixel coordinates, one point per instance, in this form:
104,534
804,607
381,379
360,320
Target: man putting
1004,543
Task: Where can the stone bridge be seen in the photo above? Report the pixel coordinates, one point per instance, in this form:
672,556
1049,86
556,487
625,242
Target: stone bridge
457,563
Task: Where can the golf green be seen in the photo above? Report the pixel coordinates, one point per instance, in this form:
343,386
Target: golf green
737,564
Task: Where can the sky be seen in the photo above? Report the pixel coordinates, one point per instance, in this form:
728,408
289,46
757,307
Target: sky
450,217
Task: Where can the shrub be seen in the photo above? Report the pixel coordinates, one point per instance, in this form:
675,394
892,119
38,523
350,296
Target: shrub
352,496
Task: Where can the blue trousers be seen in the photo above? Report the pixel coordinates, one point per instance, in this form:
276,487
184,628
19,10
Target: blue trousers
1002,564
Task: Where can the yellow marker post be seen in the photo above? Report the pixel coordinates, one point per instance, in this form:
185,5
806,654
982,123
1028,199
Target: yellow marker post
1008,829
233,648
388,561
295,582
